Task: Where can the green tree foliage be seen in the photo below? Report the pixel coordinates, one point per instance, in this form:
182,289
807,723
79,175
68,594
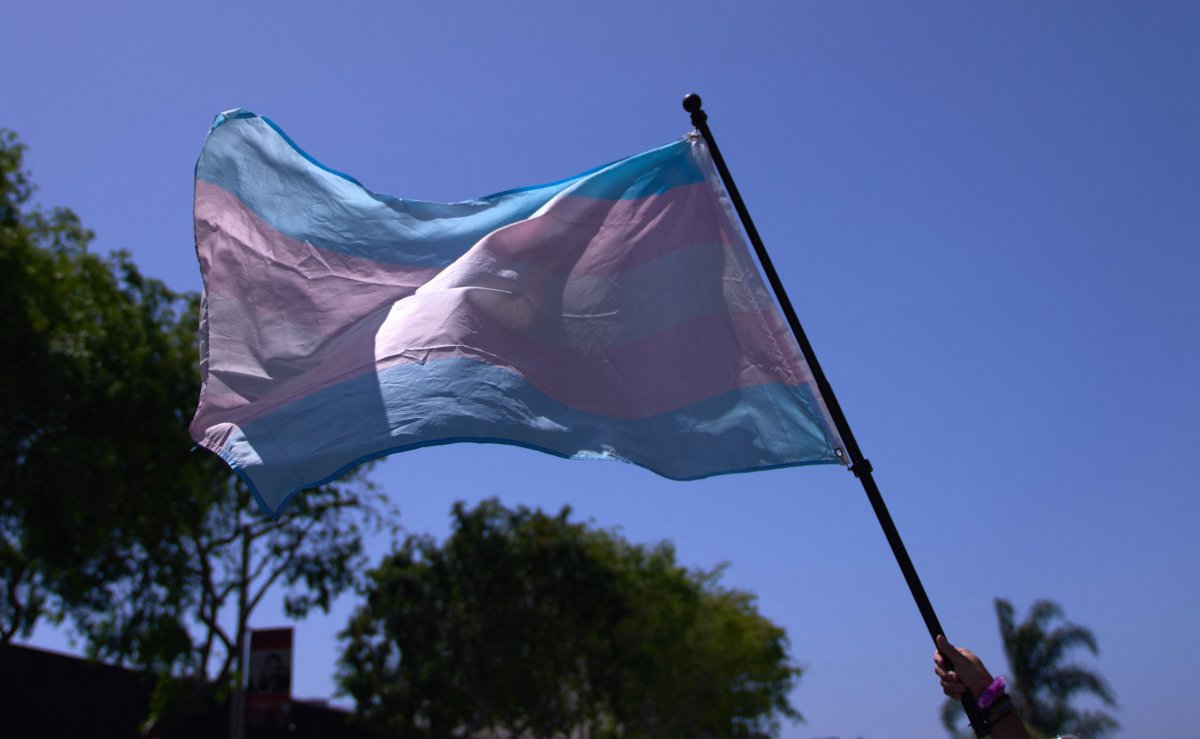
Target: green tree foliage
1044,681
539,626
96,376
108,516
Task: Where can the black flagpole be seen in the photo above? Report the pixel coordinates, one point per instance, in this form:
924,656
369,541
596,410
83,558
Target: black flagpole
859,465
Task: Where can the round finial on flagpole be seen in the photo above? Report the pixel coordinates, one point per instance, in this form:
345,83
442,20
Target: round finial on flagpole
691,104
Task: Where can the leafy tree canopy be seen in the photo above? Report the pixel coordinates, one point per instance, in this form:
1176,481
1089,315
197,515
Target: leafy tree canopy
540,626
97,377
107,516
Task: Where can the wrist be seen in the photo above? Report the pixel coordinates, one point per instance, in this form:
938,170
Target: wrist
1001,711
991,694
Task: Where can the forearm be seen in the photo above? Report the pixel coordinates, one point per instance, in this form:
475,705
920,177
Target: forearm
1006,722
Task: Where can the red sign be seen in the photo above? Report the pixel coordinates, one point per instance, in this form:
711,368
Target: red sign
269,683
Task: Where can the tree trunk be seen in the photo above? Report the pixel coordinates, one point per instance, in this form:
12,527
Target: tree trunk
237,697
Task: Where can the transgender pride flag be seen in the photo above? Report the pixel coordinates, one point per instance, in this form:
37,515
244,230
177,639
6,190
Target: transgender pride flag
614,315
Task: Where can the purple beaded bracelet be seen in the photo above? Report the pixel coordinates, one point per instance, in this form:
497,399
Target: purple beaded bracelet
991,693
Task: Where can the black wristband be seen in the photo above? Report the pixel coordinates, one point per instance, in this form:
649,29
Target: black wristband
1000,709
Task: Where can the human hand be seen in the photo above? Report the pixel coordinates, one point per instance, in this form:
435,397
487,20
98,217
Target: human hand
968,672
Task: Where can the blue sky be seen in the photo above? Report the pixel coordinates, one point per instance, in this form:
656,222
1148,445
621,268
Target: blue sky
985,214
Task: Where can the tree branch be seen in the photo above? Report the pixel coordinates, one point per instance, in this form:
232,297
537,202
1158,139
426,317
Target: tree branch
300,536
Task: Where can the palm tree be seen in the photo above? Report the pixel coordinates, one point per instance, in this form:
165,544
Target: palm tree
1043,681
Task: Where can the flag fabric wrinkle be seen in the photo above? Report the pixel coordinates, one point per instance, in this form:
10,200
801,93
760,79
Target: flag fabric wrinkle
615,315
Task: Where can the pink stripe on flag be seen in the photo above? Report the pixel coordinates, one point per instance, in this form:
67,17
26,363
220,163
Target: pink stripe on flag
698,359
605,237
317,289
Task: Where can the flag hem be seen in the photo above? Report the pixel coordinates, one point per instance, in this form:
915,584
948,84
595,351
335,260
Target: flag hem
275,514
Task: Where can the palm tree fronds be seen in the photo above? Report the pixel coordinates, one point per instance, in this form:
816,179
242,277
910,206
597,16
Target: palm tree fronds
1043,680
1070,680
1095,725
